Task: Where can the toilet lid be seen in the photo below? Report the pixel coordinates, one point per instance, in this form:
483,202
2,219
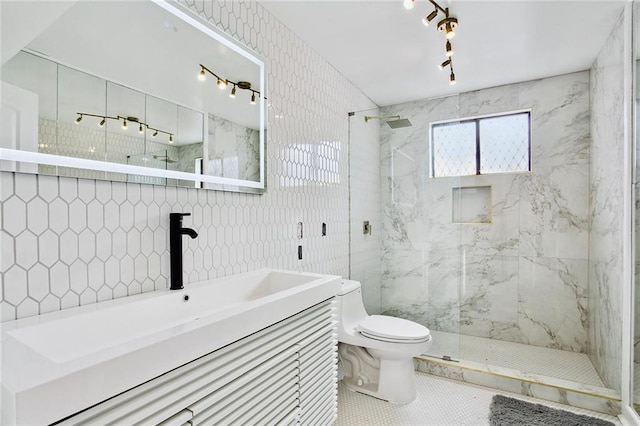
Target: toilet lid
391,329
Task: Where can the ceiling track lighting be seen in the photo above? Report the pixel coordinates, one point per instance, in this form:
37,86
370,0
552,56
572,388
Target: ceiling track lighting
447,25
222,83
125,123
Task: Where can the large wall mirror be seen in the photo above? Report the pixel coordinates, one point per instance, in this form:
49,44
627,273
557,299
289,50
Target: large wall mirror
140,91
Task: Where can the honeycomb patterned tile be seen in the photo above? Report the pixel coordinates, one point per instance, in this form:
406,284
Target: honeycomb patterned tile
439,402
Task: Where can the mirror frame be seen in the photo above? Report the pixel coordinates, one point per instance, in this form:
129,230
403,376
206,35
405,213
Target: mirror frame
220,183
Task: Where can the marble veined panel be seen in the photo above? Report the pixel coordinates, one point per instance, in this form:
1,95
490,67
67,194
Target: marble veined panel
607,183
554,209
490,101
489,290
428,291
553,302
403,173
560,116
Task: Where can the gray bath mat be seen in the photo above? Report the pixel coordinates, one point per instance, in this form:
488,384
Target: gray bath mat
507,411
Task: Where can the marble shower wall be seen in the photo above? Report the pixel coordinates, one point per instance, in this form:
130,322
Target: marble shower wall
67,242
607,183
523,276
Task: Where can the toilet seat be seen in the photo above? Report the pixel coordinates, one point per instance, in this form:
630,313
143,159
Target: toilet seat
391,329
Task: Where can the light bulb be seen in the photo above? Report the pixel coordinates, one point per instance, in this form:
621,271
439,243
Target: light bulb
102,122
124,125
450,33
233,92
408,4
449,49
253,98
202,76
79,119
222,84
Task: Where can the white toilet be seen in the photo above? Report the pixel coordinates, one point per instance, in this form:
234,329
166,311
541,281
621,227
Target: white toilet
376,351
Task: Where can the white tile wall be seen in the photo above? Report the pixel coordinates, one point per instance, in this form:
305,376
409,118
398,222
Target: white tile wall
365,202
67,242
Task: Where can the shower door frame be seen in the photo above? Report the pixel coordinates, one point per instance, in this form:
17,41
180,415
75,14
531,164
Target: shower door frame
629,415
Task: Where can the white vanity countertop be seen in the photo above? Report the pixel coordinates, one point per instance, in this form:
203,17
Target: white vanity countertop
56,364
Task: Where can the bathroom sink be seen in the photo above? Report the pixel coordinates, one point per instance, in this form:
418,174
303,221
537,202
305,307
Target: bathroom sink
64,361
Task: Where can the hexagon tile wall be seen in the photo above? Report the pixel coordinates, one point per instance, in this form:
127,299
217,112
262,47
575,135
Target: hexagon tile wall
68,242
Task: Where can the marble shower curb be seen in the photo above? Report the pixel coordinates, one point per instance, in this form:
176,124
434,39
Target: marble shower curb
575,394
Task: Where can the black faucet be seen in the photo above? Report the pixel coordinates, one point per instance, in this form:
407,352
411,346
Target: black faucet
176,231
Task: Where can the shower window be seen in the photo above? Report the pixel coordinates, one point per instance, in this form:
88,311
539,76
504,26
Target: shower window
481,145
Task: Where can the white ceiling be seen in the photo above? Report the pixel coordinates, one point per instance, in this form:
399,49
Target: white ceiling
387,52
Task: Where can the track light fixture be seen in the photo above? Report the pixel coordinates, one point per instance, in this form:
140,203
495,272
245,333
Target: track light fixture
447,25
125,123
223,83
430,18
202,76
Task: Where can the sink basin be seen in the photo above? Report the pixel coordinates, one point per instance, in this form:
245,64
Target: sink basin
64,361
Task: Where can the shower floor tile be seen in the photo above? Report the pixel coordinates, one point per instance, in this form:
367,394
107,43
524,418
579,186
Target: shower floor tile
440,402
517,356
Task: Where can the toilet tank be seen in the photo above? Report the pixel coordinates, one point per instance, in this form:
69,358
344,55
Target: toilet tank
350,306
347,286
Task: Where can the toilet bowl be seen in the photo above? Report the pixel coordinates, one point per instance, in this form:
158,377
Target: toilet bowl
376,351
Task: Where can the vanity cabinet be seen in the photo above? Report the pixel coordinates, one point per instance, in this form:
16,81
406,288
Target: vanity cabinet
283,374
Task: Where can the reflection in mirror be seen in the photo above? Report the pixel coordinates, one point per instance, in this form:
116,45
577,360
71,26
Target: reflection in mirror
146,107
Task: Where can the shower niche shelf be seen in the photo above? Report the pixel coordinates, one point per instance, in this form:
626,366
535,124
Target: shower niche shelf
472,205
